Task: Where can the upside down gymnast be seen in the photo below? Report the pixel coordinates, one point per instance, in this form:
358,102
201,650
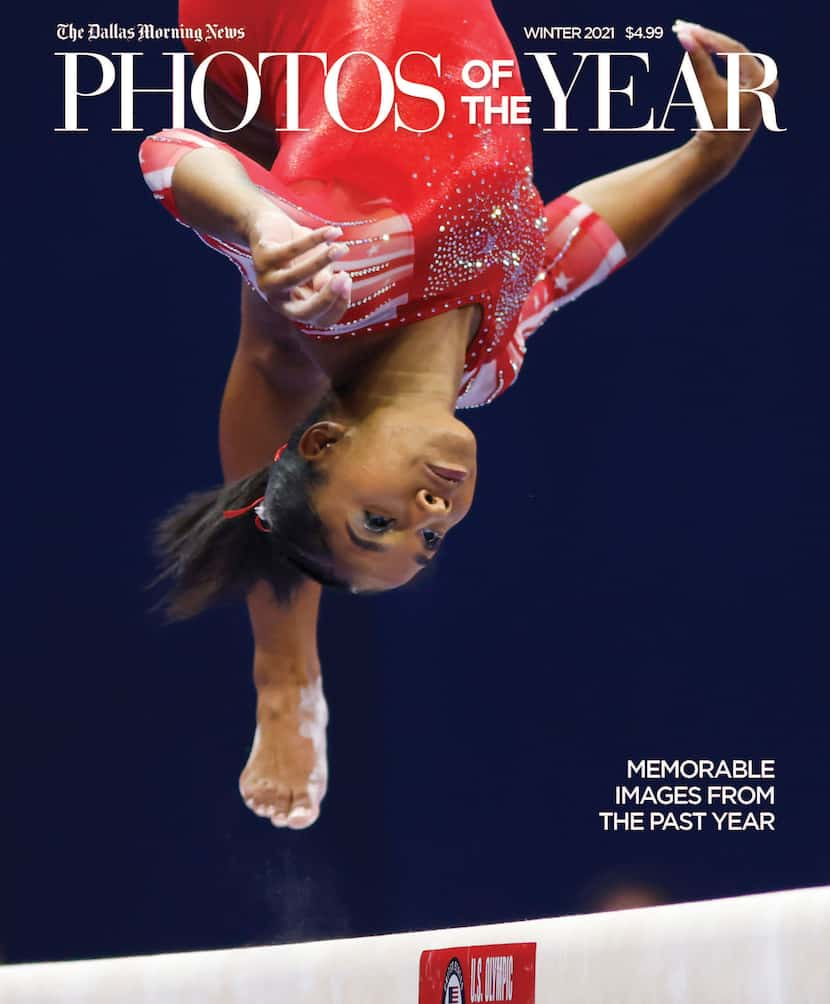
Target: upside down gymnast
390,278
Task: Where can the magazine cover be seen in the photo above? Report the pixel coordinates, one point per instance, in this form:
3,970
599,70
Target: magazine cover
421,419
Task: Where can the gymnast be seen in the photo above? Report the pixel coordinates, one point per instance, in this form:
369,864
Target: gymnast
391,278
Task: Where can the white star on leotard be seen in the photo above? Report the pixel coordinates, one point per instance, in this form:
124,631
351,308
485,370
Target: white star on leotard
562,281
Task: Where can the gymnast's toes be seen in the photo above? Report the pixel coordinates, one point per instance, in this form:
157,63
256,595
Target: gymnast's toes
259,808
263,798
280,809
285,778
302,814
269,800
284,811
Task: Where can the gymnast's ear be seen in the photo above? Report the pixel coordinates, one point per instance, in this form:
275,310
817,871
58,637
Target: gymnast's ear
318,438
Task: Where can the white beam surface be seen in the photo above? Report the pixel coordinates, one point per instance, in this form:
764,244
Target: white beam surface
767,949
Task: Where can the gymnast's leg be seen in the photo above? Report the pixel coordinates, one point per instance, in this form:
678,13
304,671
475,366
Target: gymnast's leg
286,775
269,389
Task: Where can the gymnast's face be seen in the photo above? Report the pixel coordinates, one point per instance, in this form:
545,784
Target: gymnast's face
395,485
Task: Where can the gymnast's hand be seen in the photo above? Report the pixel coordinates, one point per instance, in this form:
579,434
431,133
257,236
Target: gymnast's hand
723,149
294,268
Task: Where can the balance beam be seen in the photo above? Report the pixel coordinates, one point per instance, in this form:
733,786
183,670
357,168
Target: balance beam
772,948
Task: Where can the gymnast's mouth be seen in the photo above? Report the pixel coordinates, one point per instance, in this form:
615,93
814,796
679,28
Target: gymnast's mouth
455,475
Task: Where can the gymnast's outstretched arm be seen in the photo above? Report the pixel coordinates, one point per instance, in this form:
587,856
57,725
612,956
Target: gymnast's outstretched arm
639,201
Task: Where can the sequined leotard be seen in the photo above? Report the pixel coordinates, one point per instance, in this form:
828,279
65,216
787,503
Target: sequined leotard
435,218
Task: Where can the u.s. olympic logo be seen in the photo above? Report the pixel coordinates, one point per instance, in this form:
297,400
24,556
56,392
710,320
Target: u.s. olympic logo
453,984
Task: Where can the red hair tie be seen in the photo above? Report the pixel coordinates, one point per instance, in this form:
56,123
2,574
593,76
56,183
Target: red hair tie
260,525
233,513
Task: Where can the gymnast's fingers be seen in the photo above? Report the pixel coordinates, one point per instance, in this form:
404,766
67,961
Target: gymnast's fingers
715,42
299,271
319,279
280,252
324,307
704,67
752,69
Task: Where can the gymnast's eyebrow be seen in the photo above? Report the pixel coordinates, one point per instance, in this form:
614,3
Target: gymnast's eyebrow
367,545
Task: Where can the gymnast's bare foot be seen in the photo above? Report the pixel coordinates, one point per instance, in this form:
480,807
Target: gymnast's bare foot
287,772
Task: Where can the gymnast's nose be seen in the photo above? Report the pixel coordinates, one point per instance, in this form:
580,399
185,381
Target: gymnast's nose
431,504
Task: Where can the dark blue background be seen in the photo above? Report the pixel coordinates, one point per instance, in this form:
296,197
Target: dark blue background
644,574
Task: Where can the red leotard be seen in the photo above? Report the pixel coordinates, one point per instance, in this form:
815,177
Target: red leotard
434,220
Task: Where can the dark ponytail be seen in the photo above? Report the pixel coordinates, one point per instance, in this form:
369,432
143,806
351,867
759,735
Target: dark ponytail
207,558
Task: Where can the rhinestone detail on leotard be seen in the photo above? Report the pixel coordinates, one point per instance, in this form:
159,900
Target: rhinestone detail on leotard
486,222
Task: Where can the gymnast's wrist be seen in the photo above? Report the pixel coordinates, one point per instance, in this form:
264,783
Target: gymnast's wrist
713,155
250,215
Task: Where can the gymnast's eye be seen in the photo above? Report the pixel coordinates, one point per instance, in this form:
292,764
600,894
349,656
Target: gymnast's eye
375,523
432,540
